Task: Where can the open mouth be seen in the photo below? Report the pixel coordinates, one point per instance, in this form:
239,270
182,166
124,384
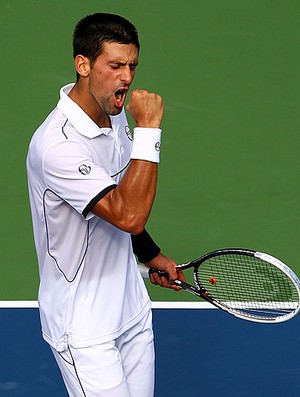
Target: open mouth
120,97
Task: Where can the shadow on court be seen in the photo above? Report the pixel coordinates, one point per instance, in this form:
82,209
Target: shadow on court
199,353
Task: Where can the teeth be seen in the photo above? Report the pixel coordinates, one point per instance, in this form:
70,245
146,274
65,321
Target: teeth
119,95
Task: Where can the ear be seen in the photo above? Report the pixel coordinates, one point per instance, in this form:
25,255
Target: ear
82,65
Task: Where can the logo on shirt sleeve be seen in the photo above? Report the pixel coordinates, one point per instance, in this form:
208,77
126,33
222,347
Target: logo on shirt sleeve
84,169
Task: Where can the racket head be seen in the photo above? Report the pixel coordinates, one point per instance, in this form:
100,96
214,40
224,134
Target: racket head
248,284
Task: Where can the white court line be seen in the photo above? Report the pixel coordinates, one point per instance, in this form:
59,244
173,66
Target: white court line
182,305
18,304
155,305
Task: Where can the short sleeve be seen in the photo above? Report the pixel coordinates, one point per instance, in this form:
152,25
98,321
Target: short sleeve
71,173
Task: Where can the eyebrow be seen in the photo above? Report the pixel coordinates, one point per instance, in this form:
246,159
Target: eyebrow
123,63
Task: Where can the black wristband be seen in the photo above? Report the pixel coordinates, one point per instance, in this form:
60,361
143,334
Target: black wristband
144,247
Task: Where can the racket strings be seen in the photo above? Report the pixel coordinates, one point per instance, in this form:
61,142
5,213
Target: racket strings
248,284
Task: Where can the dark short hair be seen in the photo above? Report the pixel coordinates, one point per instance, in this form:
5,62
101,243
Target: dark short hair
94,30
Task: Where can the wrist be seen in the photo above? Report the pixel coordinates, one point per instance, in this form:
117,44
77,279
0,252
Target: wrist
146,144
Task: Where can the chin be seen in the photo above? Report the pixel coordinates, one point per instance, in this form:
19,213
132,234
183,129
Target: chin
115,111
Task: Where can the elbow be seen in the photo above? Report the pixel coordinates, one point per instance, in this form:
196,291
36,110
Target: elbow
131,220
137,229
134,224
134,227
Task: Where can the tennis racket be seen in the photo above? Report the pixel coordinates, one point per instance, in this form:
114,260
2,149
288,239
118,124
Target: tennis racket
248,284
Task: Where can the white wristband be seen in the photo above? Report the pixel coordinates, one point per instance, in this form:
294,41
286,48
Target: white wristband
146,144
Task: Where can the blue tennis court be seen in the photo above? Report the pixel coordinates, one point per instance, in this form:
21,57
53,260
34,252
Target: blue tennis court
200,352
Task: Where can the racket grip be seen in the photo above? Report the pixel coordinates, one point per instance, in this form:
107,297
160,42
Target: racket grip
145,271
160,272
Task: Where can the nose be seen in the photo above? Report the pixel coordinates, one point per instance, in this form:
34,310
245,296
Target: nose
127,75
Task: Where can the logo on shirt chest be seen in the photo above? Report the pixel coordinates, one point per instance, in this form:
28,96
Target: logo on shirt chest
128,132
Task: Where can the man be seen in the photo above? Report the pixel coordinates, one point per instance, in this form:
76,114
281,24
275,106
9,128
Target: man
91,191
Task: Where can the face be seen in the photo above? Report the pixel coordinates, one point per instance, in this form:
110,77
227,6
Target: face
111,75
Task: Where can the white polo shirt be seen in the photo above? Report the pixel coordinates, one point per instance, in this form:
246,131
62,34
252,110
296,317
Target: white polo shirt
90,288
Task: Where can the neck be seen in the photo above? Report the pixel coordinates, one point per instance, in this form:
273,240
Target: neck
88,104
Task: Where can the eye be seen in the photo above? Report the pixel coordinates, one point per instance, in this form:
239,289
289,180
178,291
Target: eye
133,67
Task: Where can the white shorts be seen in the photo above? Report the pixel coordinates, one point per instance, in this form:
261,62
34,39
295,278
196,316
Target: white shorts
120,368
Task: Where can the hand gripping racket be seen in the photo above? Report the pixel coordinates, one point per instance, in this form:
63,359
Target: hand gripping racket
248,284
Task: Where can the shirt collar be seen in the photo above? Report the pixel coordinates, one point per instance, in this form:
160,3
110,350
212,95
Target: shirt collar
77,117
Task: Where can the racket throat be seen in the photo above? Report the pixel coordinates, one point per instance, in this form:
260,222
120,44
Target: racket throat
200,292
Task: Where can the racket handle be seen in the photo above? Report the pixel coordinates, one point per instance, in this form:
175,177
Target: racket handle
144,270
160,272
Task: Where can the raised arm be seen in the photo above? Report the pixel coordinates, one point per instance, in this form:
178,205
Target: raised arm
128,205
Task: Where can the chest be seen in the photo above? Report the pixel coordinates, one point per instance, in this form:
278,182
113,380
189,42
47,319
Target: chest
112,151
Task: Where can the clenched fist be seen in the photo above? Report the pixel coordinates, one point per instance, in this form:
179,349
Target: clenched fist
146,108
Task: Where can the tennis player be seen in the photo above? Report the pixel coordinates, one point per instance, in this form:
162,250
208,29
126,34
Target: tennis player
91,189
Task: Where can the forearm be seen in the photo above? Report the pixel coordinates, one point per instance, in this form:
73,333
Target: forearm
136,193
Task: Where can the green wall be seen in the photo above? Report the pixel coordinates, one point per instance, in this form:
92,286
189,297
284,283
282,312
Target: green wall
229,74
